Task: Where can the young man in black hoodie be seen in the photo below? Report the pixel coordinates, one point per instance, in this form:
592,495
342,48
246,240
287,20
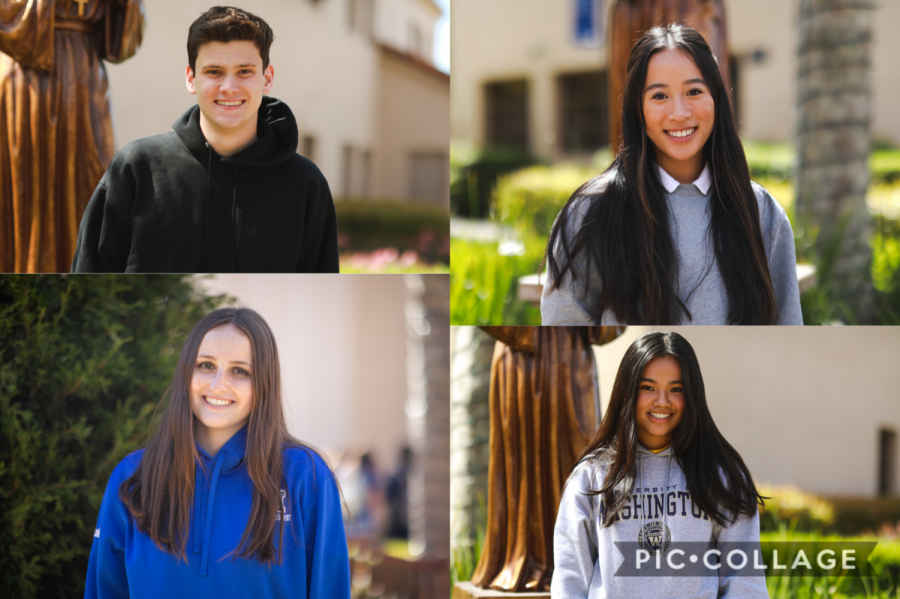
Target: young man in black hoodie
225,191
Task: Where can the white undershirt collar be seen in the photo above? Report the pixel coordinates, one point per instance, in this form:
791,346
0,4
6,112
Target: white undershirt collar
702,183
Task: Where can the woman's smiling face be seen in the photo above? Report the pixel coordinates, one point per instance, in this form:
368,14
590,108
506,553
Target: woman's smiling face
679,113
660,402
222,385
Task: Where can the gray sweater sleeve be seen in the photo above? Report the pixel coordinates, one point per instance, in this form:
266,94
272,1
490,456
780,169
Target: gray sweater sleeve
779,239
574,539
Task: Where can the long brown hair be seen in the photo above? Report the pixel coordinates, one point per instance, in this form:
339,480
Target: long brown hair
719,481
625,229
160,492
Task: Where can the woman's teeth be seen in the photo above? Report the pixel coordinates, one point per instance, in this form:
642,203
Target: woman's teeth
683,133
655,415
217,402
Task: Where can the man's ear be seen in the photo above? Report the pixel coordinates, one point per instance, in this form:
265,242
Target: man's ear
189,80
269,75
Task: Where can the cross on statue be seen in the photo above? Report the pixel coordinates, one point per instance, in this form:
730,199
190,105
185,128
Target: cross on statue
81,4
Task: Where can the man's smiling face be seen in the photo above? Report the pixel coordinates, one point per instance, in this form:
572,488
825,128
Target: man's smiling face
229,84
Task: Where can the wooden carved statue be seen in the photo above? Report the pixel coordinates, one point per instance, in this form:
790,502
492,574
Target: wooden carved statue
55,131
544,407
631,18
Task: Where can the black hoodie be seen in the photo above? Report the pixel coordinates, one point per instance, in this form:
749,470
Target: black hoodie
169,203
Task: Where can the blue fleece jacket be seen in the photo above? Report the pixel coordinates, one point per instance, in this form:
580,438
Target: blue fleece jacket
125,562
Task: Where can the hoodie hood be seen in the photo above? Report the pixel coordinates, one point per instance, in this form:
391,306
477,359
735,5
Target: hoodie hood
644,452
276,135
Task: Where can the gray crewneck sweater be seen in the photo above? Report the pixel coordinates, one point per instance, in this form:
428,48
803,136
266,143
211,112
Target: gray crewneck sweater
700,285
585,555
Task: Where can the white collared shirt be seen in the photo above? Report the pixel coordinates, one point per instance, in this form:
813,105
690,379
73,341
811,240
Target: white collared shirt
702,183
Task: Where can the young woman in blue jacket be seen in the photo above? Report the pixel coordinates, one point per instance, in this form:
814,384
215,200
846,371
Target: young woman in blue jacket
222,502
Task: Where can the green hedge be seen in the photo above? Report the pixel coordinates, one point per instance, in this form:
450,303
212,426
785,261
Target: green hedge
84,360
369,225
777,161
473,174
483,283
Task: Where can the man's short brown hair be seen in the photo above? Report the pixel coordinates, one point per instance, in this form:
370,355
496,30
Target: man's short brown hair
229,24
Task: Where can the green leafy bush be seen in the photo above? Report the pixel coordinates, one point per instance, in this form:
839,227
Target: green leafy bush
364,226
530,199
800,509
473,174
83,362
483,283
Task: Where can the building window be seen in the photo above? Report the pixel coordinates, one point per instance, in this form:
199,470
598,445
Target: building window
887,462
506,113
355,172
347,171
308,147
415,40
429,176
583,112
589,22
360,15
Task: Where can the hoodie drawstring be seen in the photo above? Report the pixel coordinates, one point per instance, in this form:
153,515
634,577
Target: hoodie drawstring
665,502
207,530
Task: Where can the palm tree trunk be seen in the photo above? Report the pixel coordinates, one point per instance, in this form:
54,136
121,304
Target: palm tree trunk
834,113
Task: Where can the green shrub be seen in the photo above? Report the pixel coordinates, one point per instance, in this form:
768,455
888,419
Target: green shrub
474,173
801,510
371,225
483,284
83,362
530,199
885,559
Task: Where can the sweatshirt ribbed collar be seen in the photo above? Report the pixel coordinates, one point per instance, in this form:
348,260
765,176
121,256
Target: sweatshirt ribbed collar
667,451
702,183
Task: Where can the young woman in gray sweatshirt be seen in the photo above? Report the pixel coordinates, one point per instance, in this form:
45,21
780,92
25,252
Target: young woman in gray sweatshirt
658,479
674,232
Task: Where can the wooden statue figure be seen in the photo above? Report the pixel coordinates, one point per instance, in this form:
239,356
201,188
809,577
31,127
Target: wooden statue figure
55,131
631,18
544,407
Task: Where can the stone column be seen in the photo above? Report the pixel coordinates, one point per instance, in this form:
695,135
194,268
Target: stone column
471,351
428,412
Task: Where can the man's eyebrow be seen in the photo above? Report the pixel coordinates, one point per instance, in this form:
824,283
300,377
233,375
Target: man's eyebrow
694,80
240,66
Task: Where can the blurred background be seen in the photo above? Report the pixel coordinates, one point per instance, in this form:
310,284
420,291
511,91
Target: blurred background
813,85
813,413
364,362
369,85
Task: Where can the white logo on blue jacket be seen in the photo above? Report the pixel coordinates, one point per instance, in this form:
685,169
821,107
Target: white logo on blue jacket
283,510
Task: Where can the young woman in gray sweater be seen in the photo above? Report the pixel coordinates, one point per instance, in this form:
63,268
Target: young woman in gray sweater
658,479
674,232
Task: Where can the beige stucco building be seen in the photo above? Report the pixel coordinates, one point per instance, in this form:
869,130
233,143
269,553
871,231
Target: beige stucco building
812,407
343,66
518,72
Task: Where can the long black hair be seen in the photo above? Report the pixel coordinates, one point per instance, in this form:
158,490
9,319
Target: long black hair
625,229
717,477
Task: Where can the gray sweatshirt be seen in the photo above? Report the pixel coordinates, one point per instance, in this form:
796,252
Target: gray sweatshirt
586,558
700,285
